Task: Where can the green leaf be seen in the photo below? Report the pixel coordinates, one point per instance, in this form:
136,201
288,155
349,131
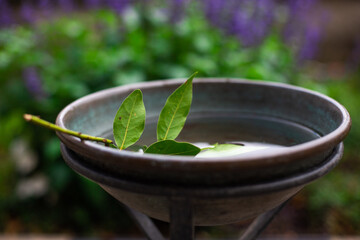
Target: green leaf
171,147
129,121
221,150
225,150
173,116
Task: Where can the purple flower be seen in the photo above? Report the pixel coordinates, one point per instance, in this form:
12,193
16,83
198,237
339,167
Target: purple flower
118,5
249,21
301,7
92,4
263,18
27,12
67,5
239,25
301,30
6,18
265,11
298,11
218,11
33,82
310,43
177,10
45,6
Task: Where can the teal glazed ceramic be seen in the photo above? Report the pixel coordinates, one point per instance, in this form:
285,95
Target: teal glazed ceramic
306,124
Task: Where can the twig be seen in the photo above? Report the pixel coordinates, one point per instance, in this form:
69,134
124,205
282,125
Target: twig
41,122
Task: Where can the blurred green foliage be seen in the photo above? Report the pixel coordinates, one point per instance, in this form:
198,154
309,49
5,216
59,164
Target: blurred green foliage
334,199
79,54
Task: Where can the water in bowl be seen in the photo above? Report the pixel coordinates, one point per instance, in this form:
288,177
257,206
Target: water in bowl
253,132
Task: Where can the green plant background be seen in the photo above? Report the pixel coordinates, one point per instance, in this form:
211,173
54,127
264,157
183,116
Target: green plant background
83,53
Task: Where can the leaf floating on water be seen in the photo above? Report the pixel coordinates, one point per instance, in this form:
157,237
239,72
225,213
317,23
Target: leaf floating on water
173,116
171,147
225,150
129,121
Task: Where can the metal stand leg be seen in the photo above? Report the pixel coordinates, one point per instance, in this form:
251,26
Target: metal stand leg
260,223
182,226
181,219
146,224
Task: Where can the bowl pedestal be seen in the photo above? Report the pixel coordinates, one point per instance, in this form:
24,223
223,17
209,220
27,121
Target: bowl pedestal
185,203
181,216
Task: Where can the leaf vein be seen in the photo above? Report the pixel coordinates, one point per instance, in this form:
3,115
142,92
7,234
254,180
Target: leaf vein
127,125
173,116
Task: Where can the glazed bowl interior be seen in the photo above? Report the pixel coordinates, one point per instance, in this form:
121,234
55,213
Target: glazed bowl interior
299,128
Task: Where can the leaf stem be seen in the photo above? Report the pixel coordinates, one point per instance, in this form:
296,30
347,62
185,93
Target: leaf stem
46,124
206,148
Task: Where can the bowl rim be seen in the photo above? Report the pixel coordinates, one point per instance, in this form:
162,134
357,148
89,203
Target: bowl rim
274,157
298,179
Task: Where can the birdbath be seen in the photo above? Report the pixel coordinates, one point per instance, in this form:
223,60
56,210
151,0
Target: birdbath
293,135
